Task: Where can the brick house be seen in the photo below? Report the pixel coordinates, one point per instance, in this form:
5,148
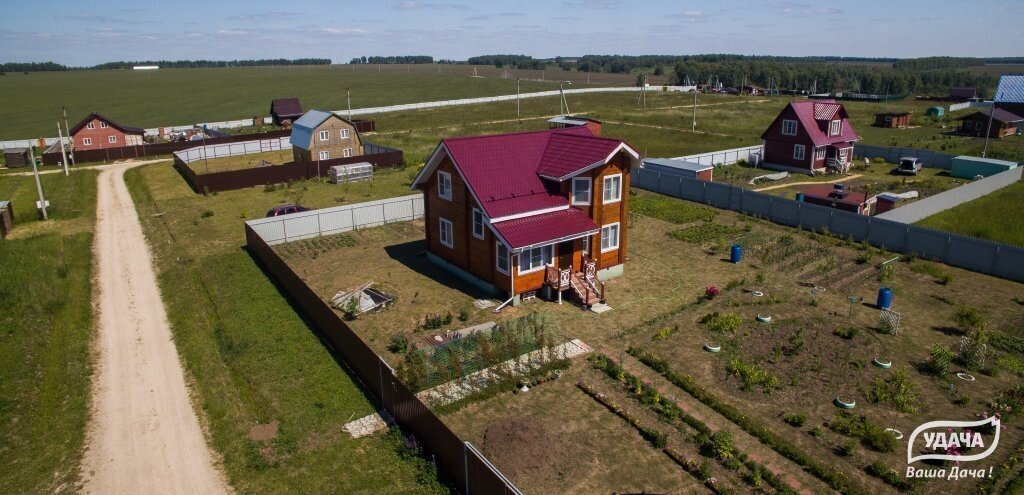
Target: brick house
319,135
809,137
1004,123
521,212
96,132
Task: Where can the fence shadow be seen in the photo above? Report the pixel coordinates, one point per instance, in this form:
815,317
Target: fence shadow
413,255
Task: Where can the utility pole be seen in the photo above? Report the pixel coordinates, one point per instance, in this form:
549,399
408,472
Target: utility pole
67,132
348,97
694,127
518,115
39,185
988,129
63,154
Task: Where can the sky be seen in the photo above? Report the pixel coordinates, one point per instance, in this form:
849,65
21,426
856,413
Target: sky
86,32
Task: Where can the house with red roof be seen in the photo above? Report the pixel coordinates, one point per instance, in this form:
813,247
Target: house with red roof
809,137
98,132
530,211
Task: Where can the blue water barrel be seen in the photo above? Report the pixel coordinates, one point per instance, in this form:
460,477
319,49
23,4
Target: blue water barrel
884,298
800,197
736,254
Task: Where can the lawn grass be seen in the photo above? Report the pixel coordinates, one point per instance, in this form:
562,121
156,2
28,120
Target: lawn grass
253,360
240,162
986,217
46,326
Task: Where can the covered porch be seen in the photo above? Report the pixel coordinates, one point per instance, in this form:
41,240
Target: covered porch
838,156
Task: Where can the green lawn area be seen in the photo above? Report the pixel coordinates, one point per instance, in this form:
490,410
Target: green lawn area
240,162
987,217
46,325
251,358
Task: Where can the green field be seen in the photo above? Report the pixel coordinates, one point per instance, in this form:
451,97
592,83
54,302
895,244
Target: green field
985,217
252,359
46,325
183,96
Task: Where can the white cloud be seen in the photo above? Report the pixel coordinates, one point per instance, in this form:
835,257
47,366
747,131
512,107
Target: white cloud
593,4
411,5
794,9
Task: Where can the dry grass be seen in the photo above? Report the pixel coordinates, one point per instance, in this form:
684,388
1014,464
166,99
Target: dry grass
241,162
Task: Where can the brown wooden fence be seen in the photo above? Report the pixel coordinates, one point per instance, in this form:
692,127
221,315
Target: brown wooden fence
150,150
276,174
468,469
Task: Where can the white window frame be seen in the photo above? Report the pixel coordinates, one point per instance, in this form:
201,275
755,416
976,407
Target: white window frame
586,245
477,214
618,235
835,128
347,152
325,135
787,123
442,179
442,222
324,155
604,189
497,254
86,141
590,189
344,134
103,125
819,153
799,152
528,255
90,125
112,139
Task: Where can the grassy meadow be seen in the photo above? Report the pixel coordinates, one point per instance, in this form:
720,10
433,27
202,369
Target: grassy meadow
46,326
985,217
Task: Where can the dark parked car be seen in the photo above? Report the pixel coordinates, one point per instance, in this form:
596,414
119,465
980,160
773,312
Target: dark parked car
285,210
909,166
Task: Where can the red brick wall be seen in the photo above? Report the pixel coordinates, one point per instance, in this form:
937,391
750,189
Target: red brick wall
100,137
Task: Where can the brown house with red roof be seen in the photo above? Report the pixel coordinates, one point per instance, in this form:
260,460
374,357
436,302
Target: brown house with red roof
810,136
529,211
96,132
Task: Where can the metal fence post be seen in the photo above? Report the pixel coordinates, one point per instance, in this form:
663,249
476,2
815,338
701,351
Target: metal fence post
284,229
465,465
995,260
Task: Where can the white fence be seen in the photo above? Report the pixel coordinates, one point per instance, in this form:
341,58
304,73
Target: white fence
943,201
316,223
970,104
752,154
233,124
234,149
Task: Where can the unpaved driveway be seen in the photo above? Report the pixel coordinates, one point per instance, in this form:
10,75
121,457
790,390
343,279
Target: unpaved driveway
144,437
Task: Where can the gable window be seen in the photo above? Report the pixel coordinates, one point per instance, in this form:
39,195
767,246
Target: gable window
324,155
977,126
90,125
581,190
478,223
344,134
612,188
103,125
836,127
798,151
531,260
503,262
111,139
325,135
444,185
610,237
789,128
347,152
447,237
86,141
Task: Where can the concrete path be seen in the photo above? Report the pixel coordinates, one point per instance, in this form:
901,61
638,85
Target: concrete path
808,183
143,435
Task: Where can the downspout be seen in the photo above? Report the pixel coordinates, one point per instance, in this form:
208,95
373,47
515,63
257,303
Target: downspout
512,278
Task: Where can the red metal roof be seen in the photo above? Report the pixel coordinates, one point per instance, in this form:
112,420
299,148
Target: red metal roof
286,107
123,128
823,191
545,228
809,112
502,170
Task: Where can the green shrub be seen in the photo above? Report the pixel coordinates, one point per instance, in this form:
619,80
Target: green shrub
938,363
706,233
206,214
847,448
847,333
463,314
795,419
665,332
669,209
967,319
897,391
722,445
860,427
752,376
887,272
399,344
879,470
721,322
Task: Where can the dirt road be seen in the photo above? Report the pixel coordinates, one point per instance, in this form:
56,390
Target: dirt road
143,435
809,183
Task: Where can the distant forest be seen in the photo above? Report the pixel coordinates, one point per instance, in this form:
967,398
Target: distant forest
407,59
166,64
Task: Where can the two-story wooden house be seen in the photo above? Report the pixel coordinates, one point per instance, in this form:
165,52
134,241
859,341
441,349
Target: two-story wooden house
521,212
320,136
98,132
809,137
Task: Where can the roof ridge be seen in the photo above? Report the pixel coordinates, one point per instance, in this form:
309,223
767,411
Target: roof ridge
517,133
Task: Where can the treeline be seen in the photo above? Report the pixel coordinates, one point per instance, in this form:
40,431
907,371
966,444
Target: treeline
31,67
406,59
511,61
830,77
204,64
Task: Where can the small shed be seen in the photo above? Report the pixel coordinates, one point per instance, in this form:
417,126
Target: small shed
16,157
6,218
962,93
352,172
892,119
935,112
284,111
969,167
683,168
996,122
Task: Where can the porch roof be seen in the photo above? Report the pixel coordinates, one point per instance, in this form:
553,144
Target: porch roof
545,228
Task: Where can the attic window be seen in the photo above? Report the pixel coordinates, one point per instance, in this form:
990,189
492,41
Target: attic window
789,128
103,125
90,125
835,128
325,135
444,185
344,133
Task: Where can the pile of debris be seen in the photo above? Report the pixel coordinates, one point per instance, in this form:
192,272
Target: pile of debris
365,299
